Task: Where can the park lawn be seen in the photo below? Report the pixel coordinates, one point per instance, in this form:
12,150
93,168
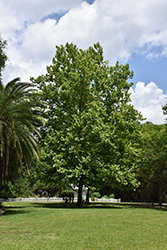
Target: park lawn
61,226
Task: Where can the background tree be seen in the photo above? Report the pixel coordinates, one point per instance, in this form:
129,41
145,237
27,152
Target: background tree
3,59
164,108
3,56
152,170
90,118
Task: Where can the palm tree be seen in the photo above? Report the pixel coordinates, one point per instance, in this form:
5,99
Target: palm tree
19,121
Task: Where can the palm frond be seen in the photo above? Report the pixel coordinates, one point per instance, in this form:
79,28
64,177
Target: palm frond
19,121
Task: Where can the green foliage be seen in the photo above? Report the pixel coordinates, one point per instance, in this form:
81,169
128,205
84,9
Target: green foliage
105,196
3,56
164,108
91,123
67,193
112,196
46,176
7,190
96,195
152,170
24,185
19,122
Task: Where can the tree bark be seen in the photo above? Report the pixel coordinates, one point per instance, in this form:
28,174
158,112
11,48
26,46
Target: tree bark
87,196
160,196
79,201
1,170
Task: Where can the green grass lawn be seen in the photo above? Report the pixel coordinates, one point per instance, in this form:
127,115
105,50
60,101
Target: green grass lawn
62,226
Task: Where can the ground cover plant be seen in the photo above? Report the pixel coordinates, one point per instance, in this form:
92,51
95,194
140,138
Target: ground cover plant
98,226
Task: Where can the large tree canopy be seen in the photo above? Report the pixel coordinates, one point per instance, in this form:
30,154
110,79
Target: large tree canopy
90,119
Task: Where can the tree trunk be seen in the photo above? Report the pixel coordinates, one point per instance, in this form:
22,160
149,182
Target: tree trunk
160,196
79,201
87,196
1,170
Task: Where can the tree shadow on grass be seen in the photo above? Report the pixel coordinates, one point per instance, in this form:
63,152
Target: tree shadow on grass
12,210
144,205
99,205
73,205
7,210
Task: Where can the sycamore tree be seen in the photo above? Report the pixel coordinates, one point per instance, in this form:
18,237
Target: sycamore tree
90,120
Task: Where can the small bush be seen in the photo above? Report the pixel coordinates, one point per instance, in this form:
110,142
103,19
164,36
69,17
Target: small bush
67,193
7,190
112,196
105,196
96,195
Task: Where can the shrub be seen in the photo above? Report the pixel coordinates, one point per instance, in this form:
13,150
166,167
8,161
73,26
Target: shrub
105,196
7,190
112,196
96,195
67,193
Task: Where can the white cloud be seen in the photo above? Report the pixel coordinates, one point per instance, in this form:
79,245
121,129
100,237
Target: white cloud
32,11
122,28
8,22
149,99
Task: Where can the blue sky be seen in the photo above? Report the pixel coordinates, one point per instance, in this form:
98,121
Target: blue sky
130,31
147,70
